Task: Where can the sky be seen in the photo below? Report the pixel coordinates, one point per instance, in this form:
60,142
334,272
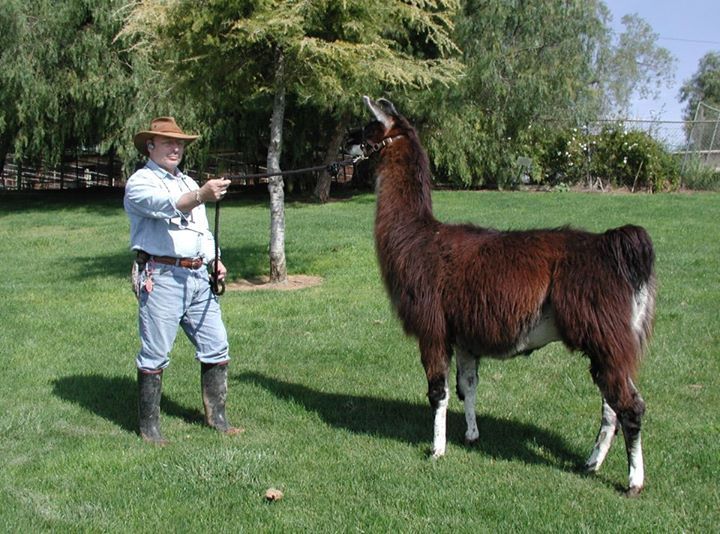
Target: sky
688,29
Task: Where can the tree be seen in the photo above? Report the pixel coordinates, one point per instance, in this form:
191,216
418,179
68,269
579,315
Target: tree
531,66
633,64
319,55
527,63
62,82
704,86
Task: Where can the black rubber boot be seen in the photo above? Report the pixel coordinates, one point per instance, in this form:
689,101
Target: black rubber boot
213,378
149,392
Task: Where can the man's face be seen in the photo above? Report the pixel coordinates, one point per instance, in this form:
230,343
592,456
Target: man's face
166,152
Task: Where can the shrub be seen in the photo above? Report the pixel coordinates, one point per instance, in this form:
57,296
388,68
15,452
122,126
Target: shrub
697,175
617,157
634,159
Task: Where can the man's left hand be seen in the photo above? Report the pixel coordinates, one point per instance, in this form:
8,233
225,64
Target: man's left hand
219,270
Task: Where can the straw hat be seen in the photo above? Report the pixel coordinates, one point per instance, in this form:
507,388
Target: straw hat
163,126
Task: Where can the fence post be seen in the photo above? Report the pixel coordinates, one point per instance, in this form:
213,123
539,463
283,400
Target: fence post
689,142
712,142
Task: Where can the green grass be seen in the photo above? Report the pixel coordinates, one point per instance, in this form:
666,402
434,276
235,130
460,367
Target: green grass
330,392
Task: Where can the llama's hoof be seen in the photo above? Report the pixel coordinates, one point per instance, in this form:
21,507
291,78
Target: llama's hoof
590,468
472,442
437,454
633,491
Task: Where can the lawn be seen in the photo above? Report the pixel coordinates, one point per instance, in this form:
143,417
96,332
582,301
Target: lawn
330,392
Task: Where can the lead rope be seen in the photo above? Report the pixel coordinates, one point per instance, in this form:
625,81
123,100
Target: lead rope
216,286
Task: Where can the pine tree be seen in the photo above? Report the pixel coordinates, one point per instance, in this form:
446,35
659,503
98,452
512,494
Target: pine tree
240,56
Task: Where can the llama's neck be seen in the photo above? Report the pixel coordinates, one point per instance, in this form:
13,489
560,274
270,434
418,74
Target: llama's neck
404,222
403,188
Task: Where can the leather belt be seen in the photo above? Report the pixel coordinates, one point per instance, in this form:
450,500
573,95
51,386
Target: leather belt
187,263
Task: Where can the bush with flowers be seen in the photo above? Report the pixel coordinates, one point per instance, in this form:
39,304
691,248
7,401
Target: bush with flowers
614,156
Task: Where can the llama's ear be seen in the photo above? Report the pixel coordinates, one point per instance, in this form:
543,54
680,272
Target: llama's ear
378,109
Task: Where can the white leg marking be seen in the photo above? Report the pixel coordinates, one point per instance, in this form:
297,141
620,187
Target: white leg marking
440,424
640,309
605,437
635,466
467,383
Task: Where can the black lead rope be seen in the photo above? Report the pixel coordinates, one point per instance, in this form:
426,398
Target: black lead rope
333,169
217,286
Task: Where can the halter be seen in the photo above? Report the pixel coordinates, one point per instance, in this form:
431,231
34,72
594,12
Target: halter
369,148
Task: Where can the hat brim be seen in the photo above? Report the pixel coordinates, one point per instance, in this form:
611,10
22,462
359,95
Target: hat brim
141,138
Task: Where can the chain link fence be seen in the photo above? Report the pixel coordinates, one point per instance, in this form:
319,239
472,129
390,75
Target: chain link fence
703,137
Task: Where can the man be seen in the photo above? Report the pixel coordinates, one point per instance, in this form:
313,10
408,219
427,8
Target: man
170,234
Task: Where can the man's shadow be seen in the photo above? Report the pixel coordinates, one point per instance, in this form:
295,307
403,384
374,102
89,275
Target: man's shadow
115,399
412,423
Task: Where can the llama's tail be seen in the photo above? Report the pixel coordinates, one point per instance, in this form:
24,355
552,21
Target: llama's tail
632,249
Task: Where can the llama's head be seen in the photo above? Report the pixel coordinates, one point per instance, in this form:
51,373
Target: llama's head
384,111
359,142
388,123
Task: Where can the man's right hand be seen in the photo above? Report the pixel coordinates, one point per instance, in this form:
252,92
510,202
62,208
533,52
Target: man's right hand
214,190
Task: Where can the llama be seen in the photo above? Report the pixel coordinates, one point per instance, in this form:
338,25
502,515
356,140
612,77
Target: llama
487,293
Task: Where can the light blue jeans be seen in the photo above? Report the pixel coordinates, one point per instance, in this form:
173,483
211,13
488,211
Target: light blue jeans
182,297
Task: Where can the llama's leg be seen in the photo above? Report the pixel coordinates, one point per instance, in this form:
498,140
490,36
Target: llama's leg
625,400
609,426
631,421
440,421
467,380
435,359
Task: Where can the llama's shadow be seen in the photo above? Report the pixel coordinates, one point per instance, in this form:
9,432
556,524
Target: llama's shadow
412,423
115,399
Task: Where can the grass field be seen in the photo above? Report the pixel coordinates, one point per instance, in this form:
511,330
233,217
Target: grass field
330,392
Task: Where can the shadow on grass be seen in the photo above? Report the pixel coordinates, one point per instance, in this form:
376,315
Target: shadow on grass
243,262
115,399
103,201
501,439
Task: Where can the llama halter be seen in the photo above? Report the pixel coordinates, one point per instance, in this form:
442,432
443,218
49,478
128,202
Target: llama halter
369,148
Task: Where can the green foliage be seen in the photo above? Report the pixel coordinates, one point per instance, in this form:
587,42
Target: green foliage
621,158
334,52
525,62
529,64
63,84
634,64
696,174
480,78
704,86
330,392
634,159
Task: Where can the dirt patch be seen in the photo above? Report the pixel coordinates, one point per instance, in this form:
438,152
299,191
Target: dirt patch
260,283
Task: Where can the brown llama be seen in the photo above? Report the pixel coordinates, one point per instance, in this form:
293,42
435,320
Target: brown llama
491,293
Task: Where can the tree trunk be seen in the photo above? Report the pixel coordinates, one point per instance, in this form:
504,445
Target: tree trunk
322,188
278,267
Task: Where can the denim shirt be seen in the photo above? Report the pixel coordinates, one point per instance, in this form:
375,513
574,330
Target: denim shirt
156,225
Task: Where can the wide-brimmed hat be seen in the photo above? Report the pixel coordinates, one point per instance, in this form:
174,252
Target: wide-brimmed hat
164,126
